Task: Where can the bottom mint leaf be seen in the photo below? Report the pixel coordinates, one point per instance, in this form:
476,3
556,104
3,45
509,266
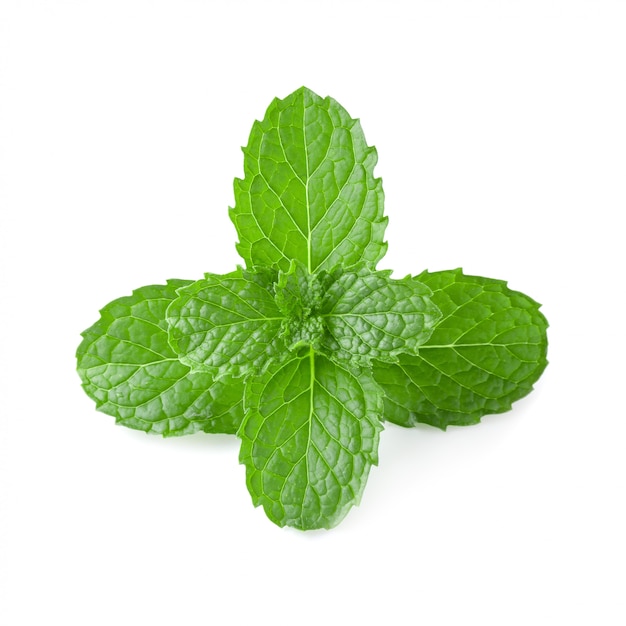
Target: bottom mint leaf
485,353
128,367
309,438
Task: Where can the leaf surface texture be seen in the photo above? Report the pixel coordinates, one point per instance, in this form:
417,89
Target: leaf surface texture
371,316
309,439
226,324
486,352
128,367
309,192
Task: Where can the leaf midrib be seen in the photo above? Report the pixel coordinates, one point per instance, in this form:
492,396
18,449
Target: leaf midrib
477,345
306,186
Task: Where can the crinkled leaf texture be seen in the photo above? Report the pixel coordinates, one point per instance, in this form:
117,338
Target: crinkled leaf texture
128,367
226,324
354,314
299,297
486,352
309,438
298,292
371,316
309,192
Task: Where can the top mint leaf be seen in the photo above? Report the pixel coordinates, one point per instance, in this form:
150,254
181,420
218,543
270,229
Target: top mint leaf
309,192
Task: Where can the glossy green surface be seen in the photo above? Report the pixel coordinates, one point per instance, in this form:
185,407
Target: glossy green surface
371,316
128,367
309,439
309,191
486,352
224,324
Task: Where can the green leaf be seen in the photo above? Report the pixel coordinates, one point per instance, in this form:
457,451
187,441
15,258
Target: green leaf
487,351
309,438
225,324
309,192
128,367
371,316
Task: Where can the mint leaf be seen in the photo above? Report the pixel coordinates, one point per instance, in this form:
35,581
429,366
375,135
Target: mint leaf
487,351
225,324
309,192
309,438
128,367
371,316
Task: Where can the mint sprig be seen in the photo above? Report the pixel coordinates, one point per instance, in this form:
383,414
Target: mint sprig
306,351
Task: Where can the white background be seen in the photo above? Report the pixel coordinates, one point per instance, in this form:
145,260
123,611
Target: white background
501,132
